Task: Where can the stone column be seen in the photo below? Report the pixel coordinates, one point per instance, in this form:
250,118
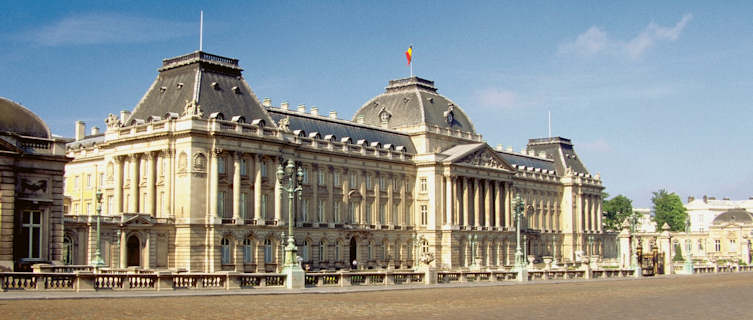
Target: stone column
599,227
147,252
456,198
213,185
151,172
278,202
448,201
390,201
362,213
169,176
345,207
257,188
134,205
508,205
377,200
476,203
118,173
498,209
403,203
488,208
330,210
466,209
237,188
123,249
314,183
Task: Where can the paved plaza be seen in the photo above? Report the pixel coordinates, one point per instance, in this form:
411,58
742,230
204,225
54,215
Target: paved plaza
719,296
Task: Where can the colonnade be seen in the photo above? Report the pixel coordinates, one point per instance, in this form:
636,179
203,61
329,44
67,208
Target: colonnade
473,203
141,183
589,208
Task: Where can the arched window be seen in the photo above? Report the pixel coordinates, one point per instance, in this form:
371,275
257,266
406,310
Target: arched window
225,250
424,246
305,252
337,251
371,251
267,251
322,251
67,250
248,251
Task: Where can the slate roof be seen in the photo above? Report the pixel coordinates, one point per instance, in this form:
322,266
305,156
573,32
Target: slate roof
413,101
528,161
341,128
459,151
214,82
87,141
16,119
738,215
562,152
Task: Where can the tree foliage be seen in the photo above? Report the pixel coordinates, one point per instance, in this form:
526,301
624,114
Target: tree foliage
668,209
616,210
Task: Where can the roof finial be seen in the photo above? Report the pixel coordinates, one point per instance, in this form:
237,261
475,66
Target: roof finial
201,30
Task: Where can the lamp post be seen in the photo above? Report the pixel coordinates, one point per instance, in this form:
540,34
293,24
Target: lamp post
473,241
290,182
688,247
590,245
98,262
520,264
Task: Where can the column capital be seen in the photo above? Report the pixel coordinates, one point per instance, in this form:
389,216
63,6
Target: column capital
167,152
217,151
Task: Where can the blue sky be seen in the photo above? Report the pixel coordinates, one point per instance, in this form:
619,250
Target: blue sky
653,94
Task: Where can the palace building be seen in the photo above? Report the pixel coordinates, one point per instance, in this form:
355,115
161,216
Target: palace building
188,182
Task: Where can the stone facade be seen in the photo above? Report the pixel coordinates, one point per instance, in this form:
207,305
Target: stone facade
189,182
31,190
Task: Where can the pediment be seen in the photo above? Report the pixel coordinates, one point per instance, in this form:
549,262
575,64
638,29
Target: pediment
481,156
139,220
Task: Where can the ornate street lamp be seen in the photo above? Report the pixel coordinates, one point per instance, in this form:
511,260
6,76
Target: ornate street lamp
290,182
590,245
519,212
98,262
473,241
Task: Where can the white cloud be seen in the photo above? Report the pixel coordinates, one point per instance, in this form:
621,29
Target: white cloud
595,40
498,99
588,43
103,28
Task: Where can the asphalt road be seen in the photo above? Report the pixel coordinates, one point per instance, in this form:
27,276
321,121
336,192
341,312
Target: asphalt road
722,296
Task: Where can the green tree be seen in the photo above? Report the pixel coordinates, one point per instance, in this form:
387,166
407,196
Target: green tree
668,209
616,210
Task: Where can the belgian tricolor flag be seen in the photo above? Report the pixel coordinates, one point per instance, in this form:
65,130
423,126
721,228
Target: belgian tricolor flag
409,54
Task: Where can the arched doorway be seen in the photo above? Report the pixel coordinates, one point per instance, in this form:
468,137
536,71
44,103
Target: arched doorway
353,251
134,251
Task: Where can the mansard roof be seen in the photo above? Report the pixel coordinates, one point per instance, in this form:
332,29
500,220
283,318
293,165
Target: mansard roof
561,151
215,83
522,160
737,215
412,102
340,129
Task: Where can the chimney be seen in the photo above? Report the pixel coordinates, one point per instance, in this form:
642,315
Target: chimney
712,198
124,116
509,149
267,102
80,130
750,198
302,108
499,147
725,198
284,105
690,199
95,131
314,111
705,199
360,119
333,114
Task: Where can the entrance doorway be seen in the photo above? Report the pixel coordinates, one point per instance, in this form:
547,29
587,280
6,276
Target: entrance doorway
353,252
134,251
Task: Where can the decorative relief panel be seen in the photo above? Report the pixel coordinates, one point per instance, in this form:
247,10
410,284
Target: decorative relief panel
483,158
34,187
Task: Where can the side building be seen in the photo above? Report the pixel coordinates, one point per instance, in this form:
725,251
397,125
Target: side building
31,190
188,179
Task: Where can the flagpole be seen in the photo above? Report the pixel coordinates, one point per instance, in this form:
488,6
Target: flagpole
549,122
411,61
201,30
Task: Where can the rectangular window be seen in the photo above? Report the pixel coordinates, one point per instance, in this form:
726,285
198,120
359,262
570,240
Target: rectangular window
88,208
320,179
306,175
225,251
424,214
368,213
336,178
353,181
243,205
424,185
395,211
75,182
221,204
368,182
717,245
111,205
732,246
244,166
31,233
382,216
248,248
305,210
263,168
264,206
338,217
268,253
88,181
382,184
320,212
101,178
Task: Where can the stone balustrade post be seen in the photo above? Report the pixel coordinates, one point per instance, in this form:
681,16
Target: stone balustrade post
389,278
84,281
463,277
164,281
232,280
344,278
